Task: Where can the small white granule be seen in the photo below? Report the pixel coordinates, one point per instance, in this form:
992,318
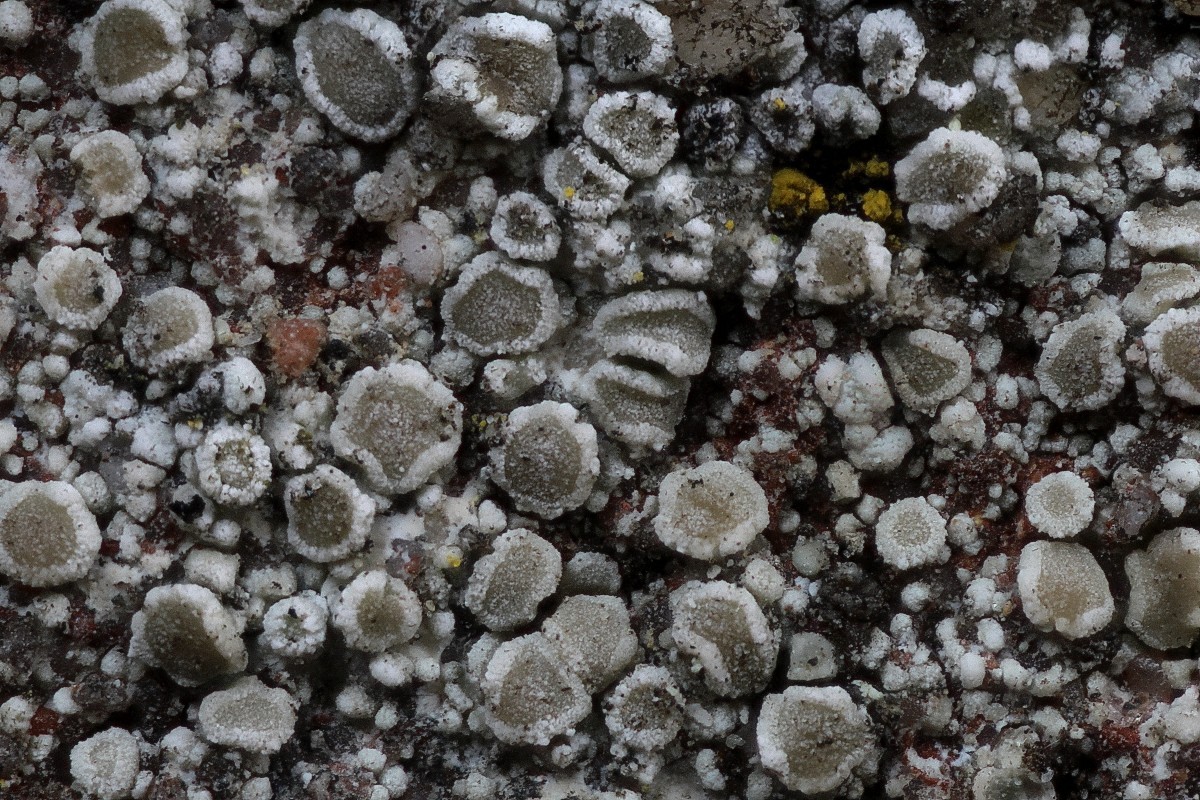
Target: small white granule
972,669
1032,56
16,23
991,634
224,64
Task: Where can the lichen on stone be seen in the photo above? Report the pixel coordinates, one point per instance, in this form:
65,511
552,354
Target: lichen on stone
355,68
599,399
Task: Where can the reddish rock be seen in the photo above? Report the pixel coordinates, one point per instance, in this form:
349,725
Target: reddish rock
295,344
44,721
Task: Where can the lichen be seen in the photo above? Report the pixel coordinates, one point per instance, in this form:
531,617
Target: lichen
721,626
398,424
185,630
507,586
354,67
1064,589
814,738
478,400
48,536
548,462
499,308
248,715
134,50
711,511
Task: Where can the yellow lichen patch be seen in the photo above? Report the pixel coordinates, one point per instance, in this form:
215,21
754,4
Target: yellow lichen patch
876,205
569,192
875,168
795,194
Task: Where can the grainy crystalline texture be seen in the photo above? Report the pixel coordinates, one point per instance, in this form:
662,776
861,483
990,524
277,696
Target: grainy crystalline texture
1164,589
420,252
815,739
1081,367
295,344
722,627
996,783
1164,285
184,629
499,308
328,517
524,227
171,328
20,172
470,398
845,110
1173,343
499,72
637,130
927,367
355,68
710,511
721,37
377,611
1060,505
508,585
591,573
1164,230
272,13
712,130
110,173
531,696
633,406
233,465
548,462
892,47
135,50
844,260
1064,589
249,716
582,184
812,658
911,533
48,536
632,40
593,638
106,765
243,387
672,328
16,23
390,194
645,710
949,176
784,117
295,626
398,424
